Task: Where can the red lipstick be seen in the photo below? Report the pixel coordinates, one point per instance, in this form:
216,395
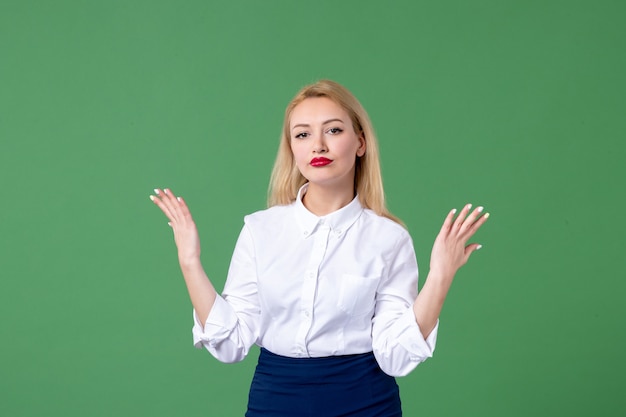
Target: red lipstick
320,162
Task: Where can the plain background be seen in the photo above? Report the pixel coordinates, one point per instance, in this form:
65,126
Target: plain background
518,106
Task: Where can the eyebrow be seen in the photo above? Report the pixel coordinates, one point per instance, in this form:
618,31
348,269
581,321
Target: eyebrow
324,123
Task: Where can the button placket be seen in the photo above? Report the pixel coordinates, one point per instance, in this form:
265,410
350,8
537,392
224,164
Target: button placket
309,286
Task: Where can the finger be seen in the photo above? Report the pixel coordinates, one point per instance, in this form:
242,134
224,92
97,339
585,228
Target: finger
159,202
447,223
169,196
475,226
172,203
461,217
469,221
481,220
473,247
184,209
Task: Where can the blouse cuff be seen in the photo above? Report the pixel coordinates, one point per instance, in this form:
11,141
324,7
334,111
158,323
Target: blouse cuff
218,326
411,339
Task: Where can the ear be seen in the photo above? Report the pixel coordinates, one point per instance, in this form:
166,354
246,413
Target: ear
362,146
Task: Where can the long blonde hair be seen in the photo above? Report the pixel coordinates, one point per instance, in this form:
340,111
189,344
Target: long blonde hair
286,179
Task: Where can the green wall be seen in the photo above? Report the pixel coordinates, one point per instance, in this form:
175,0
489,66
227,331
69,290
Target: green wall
516,105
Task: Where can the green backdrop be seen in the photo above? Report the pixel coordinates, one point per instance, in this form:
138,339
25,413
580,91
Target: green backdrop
519,106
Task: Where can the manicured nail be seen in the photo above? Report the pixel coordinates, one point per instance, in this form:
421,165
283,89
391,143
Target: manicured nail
479,246
486,216
480,209
179,199
156,191
169,224
165,191
453,211
469,206
152,197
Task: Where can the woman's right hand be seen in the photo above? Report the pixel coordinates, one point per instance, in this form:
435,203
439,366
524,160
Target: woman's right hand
180,220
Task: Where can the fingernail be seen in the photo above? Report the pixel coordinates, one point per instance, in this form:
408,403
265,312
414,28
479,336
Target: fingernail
469,206
486,216
480,209
179,199
169,224
165,191
479,246
152,197
156,191
453,211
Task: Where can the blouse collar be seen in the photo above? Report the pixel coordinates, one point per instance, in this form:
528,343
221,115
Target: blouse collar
339,221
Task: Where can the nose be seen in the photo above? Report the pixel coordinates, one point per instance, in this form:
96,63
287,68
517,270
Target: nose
319,144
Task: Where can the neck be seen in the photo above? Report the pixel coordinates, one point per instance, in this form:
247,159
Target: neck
324,200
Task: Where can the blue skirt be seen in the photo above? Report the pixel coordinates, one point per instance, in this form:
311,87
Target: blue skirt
351,385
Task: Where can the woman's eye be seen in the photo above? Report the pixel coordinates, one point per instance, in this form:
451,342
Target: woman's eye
301,135
335,130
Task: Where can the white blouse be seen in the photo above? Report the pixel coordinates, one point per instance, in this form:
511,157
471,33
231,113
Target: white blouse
306,286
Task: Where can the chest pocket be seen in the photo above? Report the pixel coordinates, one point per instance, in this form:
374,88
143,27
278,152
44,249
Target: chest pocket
357,295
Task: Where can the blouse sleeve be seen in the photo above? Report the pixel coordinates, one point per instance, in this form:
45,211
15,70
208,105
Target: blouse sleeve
398,343
232,326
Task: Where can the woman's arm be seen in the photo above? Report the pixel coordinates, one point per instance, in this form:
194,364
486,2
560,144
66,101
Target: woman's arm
450,252
200,288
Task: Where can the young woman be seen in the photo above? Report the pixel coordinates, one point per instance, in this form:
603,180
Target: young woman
325,279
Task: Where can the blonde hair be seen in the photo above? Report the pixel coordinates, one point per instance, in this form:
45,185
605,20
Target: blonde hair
286,179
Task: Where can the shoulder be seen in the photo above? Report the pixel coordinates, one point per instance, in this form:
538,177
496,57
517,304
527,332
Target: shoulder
371,220
269,217
383,230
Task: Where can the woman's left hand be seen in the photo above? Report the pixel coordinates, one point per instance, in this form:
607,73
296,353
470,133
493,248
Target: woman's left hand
451,251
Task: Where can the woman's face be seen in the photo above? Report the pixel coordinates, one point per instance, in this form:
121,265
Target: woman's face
323,142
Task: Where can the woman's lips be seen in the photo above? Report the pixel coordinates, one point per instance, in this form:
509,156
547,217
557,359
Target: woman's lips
320,162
